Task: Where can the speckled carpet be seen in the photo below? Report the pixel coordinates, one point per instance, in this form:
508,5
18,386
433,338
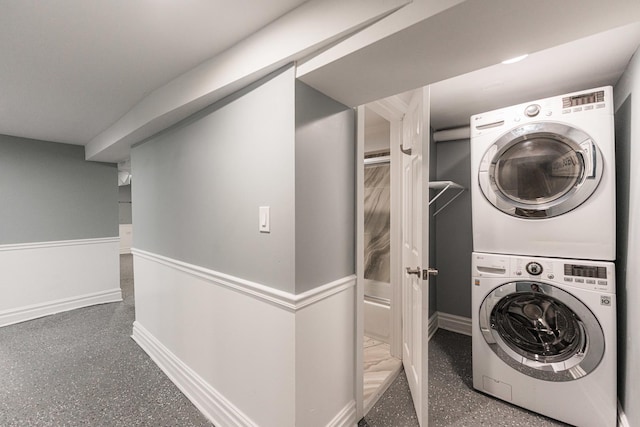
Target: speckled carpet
452,399
81,368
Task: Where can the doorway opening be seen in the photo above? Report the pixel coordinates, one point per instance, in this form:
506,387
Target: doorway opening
381,366
394,141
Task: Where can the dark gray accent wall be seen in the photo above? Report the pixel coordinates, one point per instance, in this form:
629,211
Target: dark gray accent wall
49,192
623,118
124,204
324,189
199,184
453,230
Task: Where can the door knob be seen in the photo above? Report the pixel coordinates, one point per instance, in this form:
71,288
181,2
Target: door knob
430,272
417,271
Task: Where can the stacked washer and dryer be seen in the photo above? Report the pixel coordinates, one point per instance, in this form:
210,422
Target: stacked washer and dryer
543,286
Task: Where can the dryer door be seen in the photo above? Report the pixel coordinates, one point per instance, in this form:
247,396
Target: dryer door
540,170
542,331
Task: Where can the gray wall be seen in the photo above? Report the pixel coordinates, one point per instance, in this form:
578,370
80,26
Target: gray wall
198,185
124,204
627,117
324,189
49,193
453,230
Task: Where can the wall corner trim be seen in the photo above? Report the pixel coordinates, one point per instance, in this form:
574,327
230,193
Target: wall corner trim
346,417
453,323
207,399
289,301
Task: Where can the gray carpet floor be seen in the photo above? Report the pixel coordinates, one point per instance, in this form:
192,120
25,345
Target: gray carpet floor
452,399
81,368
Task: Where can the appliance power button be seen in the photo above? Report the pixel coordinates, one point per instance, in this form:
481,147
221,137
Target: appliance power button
532,110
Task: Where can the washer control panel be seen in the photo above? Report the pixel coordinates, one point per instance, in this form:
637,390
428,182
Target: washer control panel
593,275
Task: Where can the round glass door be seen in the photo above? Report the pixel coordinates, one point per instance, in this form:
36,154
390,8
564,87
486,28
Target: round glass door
542,331
540,170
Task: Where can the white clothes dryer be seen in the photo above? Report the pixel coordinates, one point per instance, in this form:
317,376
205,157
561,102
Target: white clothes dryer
544,335
543,177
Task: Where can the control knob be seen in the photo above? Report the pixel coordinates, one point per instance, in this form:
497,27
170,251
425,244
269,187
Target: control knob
534,268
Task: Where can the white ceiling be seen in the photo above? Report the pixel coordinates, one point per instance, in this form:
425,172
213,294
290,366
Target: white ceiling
593,61
71,68
473,35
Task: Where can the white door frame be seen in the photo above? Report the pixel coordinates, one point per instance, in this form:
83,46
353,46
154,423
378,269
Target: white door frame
359,320
393,110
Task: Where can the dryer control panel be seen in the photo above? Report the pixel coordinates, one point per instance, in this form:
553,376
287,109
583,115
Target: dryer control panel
558,108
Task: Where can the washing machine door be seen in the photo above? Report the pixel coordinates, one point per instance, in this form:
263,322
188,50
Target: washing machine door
542,331
540,170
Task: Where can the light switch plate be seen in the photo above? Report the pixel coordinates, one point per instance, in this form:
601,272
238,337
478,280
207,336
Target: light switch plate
264,219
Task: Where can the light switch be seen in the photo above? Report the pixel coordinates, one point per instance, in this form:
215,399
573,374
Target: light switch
265,221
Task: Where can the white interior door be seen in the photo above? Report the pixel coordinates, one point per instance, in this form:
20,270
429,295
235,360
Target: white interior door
415,248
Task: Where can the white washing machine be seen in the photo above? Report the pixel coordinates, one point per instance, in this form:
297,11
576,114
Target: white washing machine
543,177
544,335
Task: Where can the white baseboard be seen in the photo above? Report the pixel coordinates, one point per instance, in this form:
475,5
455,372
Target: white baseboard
346,417
622,418
433,325
22,314
377,321
211,403
453,323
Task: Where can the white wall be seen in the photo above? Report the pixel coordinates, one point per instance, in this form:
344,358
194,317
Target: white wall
325,356
126,238
38,279
239,347
627,99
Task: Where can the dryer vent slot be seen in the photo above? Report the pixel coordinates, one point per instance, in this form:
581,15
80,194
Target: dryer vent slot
490,125
492,270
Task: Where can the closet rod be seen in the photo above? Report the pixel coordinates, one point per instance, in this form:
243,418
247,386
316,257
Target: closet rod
377,160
